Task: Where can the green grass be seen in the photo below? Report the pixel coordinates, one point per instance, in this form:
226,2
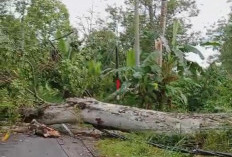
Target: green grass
118,148
53,99
136,146
50,95
219,141
132,148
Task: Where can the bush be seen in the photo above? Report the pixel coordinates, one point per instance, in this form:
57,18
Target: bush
12,98
209,92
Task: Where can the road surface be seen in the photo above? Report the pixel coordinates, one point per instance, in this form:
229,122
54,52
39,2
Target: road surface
34,146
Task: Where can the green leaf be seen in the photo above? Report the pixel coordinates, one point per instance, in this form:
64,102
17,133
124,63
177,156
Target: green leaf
174,33
130,58
62,44
184,98
179,54
194,67
137,75
211,43
151,58
190,48
94,68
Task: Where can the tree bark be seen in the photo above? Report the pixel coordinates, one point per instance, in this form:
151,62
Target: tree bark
159,49
163,19
151,13
126,118
137,39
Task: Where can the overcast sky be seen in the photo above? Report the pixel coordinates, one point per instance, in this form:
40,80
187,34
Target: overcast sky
210,12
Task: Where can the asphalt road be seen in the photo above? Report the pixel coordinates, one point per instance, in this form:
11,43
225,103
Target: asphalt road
34,146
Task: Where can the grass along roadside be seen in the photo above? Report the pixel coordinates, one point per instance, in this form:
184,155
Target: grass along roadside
218,141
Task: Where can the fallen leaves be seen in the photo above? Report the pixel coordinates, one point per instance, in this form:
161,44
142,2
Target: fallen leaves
6,136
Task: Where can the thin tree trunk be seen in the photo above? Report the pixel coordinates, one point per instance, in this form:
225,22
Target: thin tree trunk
163,19
159,42
151,13
23,31
137,39
159,49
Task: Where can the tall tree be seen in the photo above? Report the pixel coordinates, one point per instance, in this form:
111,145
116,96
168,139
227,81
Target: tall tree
46,17
159,42
150,5
29,25
137,38
150,14
163,18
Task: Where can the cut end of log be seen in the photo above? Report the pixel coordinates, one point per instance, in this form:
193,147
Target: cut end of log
43,130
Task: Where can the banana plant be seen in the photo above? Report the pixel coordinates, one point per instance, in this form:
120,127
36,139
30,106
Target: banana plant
130,58
180,51
149,83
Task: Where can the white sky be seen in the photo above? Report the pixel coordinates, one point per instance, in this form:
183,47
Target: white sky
210,12
80,8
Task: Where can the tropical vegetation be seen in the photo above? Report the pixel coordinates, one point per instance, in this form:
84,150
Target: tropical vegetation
44,59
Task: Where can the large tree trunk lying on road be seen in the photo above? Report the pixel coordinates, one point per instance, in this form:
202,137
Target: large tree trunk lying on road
131,119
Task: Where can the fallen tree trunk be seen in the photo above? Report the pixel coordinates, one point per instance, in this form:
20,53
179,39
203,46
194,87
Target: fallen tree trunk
126,118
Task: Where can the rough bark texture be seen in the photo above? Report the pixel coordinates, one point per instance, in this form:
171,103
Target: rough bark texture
151,12
163,20
159,49
131,119
43,130
137,38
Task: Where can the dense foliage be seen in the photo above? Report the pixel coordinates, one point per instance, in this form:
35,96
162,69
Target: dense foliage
226,56
43,59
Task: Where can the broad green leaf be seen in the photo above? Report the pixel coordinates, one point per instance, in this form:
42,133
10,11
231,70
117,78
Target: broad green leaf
151,58
190,48
174,33
130,58
179,54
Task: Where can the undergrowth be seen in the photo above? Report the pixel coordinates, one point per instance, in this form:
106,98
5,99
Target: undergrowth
119,148
135,146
